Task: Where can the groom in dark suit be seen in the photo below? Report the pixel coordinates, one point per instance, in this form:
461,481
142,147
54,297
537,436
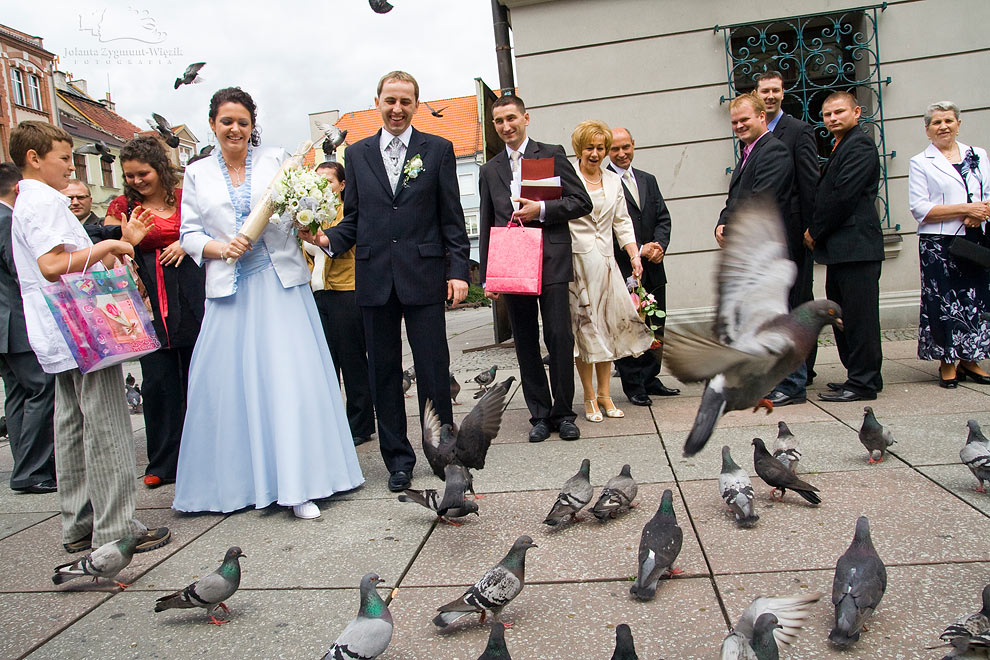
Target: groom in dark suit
550,404
651,222
402,210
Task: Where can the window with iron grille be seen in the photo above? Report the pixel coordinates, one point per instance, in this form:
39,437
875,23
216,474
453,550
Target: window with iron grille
17,84
34,89
816,54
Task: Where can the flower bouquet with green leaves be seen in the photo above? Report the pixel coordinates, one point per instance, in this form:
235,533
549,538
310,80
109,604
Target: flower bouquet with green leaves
302,198
646,305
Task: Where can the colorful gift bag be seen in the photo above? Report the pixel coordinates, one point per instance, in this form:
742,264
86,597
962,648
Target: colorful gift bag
515,260
102,318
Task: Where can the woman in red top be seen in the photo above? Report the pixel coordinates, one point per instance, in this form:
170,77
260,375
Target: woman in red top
176,287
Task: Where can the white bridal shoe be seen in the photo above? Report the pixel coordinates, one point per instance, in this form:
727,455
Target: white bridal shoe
306,510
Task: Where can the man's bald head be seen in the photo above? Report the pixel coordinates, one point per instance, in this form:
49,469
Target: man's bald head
623,147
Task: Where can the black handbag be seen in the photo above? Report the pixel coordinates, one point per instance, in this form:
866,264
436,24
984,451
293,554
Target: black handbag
973,252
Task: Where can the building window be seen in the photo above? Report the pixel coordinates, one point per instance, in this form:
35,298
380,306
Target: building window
107,173
79,162
34,89
471,225
17,78
466,183
185,153
816,54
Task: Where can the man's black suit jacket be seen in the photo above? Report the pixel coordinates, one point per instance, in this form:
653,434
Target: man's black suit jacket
768,172
651,222
13,331
845,225
402,238
799,138
496,209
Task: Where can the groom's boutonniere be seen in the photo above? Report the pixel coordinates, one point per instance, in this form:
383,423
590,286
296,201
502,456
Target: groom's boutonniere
412,169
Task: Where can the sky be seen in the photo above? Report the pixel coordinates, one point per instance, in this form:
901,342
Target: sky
293,56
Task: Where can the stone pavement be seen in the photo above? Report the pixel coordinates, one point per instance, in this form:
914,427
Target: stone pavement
299,585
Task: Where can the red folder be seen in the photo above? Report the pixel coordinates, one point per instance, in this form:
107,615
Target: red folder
534,170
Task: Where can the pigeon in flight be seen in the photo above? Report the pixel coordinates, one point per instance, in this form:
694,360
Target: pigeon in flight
435,112
203,153
333,137
160,124
191,75
99,148
468,444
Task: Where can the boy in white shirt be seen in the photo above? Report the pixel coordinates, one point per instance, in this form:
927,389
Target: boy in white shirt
94,449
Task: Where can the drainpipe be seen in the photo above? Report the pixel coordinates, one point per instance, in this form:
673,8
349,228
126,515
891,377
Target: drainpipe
503,52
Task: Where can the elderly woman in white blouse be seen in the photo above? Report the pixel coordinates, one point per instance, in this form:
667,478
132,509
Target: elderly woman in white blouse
949,189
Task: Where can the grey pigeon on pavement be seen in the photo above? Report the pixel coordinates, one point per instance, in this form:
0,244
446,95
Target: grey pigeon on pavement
790,613
778,477
757,340
504,386
455,389
487,377
737,490
411,372
574,496
105,562
874,435
496,649
494,590
369,633
785,448
132,392
859,583
962,631
452,503
624,647
617,495
406,384
975,454
209,592
659,546
466,444
190,76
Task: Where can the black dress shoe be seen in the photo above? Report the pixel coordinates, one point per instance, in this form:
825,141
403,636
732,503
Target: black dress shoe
539,432
962,373
778,399
41,488
640,400
399,481
361,439
845,396
835,387
656,388
569,431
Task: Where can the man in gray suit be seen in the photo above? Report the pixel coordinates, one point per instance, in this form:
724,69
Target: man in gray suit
30,402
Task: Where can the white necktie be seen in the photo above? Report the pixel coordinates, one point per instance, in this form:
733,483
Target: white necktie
394,162
630,181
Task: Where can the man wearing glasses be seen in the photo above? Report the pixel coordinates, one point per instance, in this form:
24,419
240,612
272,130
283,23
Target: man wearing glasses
81,202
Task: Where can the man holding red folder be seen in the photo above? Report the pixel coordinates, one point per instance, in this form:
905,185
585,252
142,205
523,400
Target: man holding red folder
549,403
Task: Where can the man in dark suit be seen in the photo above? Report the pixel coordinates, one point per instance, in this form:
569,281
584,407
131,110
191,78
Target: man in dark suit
799,138
402,210
845,235
765,169
651,222
30,392
550,404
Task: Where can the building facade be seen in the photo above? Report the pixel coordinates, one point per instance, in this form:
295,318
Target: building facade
665,70
26,84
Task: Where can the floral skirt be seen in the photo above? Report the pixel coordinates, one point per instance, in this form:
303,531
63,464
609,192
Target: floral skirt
605,322
953,294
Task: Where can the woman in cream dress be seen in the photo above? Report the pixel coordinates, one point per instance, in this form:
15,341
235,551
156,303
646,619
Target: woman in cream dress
606,323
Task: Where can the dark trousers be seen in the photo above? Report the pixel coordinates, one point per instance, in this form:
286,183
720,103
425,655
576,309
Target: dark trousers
855,286
426,332
30,411
636,372
163,396
343,326
551,401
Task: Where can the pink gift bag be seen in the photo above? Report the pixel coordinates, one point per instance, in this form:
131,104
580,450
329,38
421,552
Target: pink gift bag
515,260
102,318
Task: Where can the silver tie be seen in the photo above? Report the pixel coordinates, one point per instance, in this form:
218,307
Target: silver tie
514,158
630,181
393,164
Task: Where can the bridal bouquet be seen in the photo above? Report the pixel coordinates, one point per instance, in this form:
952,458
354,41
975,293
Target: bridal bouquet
646,305
303,198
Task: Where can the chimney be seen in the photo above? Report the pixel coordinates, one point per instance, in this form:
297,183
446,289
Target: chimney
108,104
80,85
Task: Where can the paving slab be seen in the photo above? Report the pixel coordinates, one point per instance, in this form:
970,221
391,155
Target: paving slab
12,501
908,399
958,480
637,420
932,439
825,447
6,458
570,553
283,552
919,602
553,621
893,371
30,619
29,557
793,535
11,523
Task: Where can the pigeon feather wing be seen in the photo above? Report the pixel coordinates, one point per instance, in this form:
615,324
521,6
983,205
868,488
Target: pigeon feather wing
213,588
754,275
791,612
431,439
693,358
363,638
479,428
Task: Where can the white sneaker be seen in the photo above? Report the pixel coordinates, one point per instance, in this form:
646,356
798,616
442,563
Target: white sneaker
306,510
